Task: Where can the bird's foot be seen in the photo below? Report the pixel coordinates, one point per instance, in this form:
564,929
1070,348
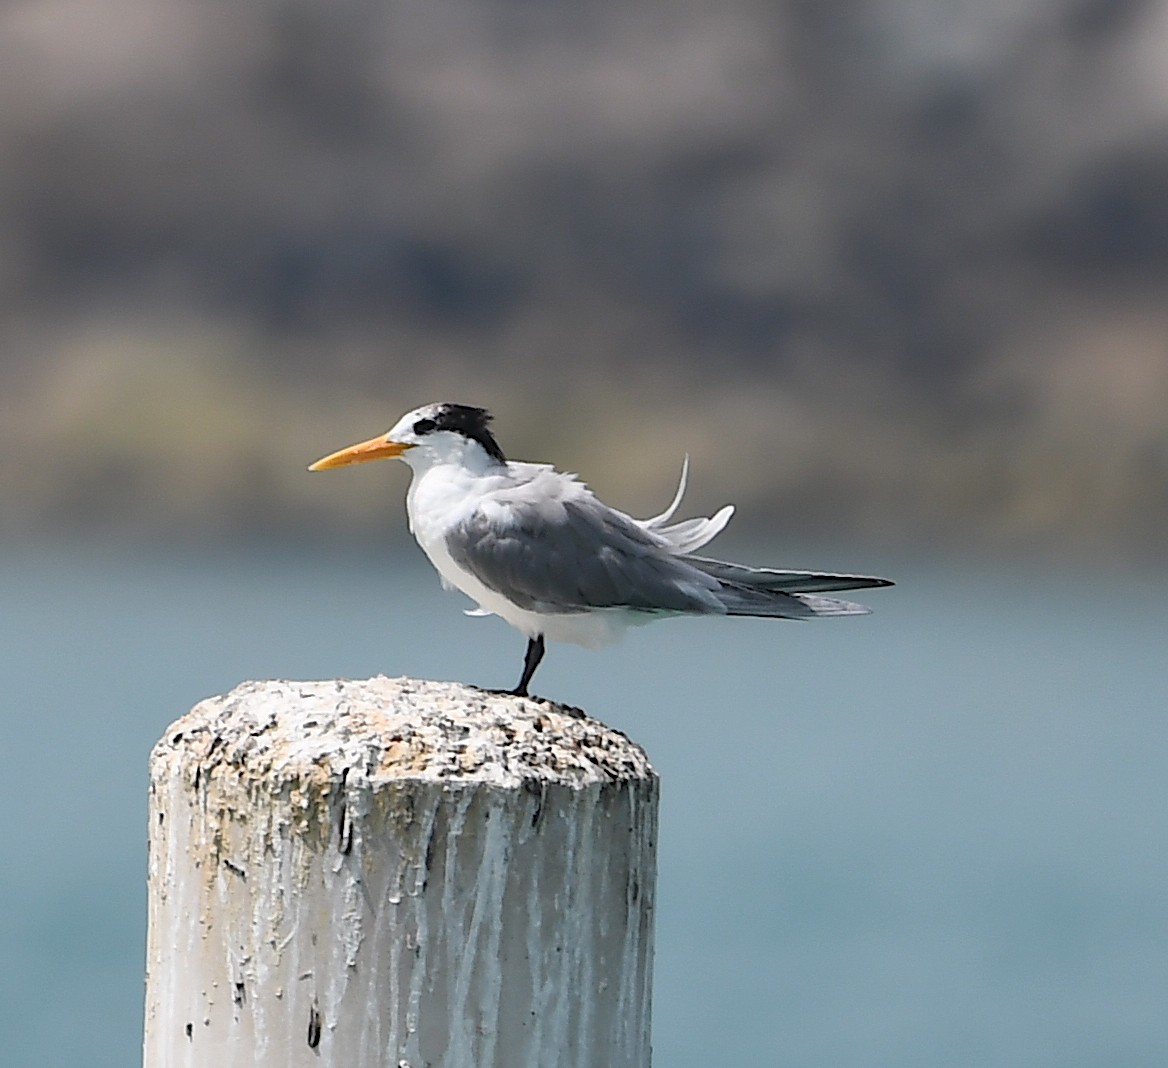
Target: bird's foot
500,692
567,710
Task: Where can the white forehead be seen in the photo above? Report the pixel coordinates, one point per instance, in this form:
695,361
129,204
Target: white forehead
405,425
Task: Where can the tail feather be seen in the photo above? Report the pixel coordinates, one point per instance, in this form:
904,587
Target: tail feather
765,578
743,601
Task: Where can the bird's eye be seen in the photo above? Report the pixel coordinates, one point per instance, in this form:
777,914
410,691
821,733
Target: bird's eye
424,426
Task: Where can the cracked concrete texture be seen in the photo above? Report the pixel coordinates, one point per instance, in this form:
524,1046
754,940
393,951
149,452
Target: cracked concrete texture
383,729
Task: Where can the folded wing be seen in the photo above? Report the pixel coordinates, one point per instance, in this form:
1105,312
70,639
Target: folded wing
574,555
560,550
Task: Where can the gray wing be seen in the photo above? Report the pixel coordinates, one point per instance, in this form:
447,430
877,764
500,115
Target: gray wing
764,591
766,578
576,554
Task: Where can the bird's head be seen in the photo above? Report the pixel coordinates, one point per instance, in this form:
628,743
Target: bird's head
432,434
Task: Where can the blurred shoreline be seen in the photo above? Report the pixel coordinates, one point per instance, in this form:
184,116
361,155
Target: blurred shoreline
159,440
892,274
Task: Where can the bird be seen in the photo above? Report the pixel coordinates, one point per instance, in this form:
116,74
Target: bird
536,547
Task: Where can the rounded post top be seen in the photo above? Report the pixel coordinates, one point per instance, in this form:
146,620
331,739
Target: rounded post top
384,729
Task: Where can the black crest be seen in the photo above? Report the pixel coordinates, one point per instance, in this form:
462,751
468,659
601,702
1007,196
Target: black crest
473,423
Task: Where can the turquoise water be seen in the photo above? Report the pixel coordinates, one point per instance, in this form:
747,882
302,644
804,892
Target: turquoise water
933,836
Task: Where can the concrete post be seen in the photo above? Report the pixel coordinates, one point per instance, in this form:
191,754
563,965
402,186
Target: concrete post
398,874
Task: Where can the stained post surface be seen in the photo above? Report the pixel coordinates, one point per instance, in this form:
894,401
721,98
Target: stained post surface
399,874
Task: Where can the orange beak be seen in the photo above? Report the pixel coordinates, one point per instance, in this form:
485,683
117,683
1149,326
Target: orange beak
373,449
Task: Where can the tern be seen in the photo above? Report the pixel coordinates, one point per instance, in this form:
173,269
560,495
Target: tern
536,547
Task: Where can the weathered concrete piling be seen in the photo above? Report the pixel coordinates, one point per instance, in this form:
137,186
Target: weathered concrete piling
398,874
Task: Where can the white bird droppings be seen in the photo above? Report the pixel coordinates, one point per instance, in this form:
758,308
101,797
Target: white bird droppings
386,871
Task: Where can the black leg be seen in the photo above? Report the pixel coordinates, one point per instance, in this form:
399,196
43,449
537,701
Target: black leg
531,661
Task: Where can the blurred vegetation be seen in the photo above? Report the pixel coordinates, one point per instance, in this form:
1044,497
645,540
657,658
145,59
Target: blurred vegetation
888,269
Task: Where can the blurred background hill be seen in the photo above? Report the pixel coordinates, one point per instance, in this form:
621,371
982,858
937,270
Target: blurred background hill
892,270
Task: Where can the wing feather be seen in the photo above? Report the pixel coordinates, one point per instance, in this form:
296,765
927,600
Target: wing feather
548,545
766,578
660,520
575,557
